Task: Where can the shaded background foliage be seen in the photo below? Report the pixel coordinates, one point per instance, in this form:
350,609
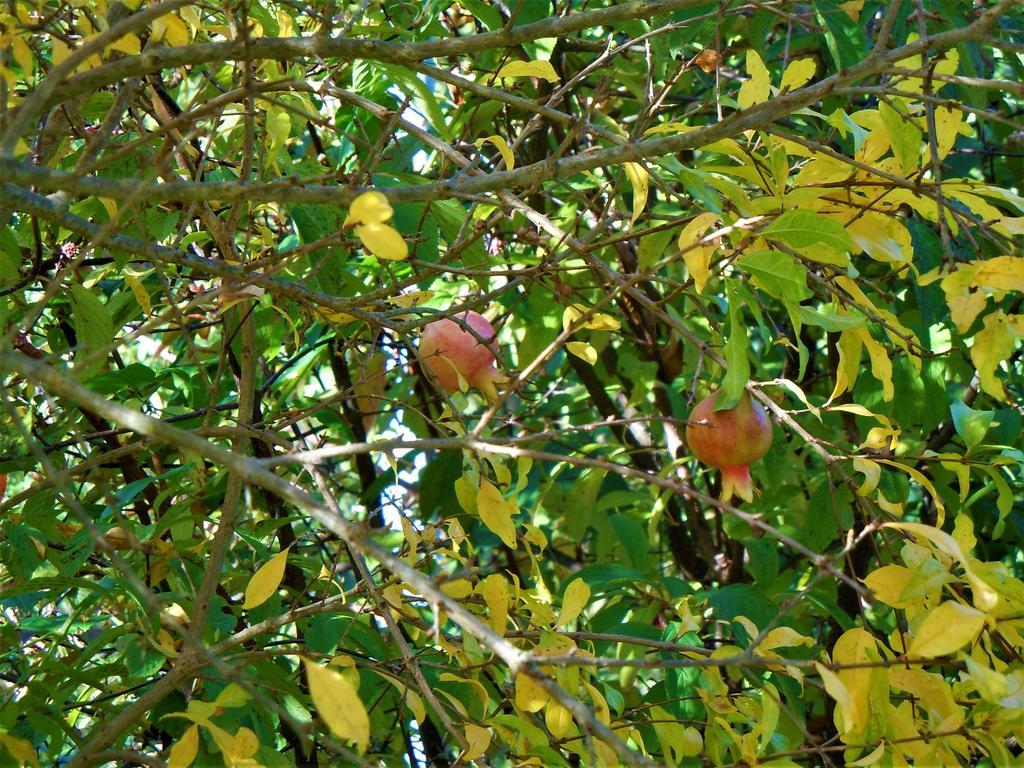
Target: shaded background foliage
309,555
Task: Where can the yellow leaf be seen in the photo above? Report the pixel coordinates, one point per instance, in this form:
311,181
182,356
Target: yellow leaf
232,696
503,149
757,87
338,703
582,350
23,55
246,744
60,52
129,44
992,345
946,629
496,513
170,28
1004,273
670,128
457,588
849,347
557,718
697,257
784,637
888,584
575,599
640,182
383,241
871,757
835,688
141,296
537,68
266,580
530,697
881,363
369,208
798,73
20,749
185,749
872,474
599,321
477,741
494,590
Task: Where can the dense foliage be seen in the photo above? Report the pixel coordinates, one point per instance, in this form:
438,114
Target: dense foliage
249,520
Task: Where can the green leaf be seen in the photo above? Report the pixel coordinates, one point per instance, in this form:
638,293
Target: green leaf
10,256
830,322
737,373
970,424
904,137
777,273
94,329
800,229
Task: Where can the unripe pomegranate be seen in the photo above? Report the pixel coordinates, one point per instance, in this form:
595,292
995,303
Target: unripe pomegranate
447,350
730,440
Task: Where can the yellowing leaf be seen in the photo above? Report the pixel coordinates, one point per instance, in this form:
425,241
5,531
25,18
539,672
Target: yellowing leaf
246,744
232,696
582,350
530,697
1004,273
946,629
369,208
557,718
537,68
835,688
23,55
338,703
129,44
992,345
872,474
383,241
575,599
697,257
798,73
881,364
494,590
170,28
141,295
185,749
496,513
757,87
640,182
599,321
477,741
870,758
266,580
503,148
888,583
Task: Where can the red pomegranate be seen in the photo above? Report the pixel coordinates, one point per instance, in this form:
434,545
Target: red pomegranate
730,440
447,350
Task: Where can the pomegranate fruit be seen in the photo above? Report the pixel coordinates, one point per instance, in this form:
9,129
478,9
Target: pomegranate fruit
730,440
448,351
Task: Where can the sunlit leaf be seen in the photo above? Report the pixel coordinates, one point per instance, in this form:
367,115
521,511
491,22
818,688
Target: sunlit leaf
266,580
946,629
503,149
639,180
575,599
539,68
496,513
757,87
